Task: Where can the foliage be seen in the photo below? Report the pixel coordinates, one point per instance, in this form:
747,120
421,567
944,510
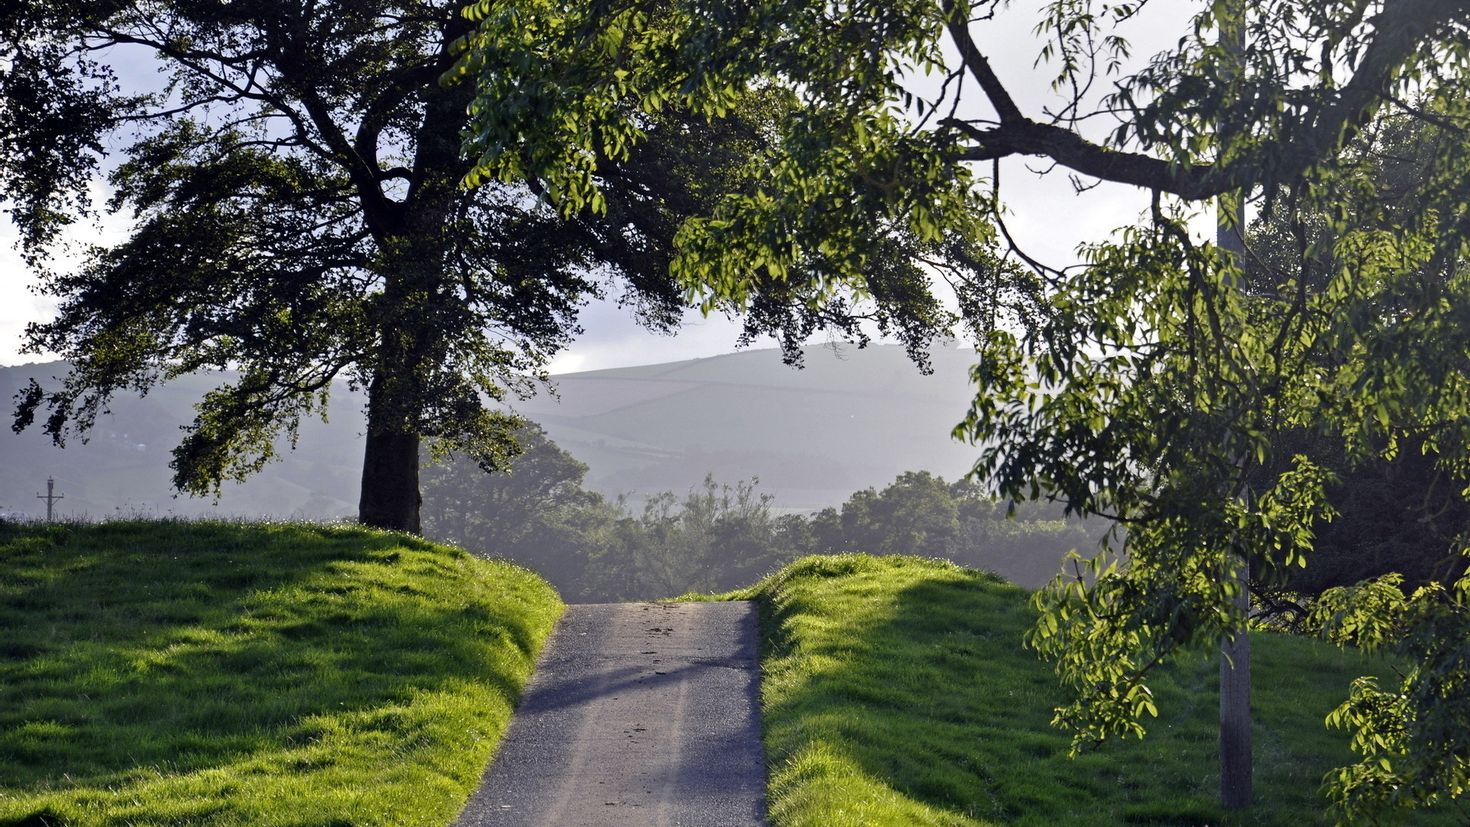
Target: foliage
1397,160
846,201
253,674
916,512
500,508
956,521
1172,428
1395,515
713,539
1399,503
895,691
717,536
294,187
536,513
1390,567
1409,734
1148,386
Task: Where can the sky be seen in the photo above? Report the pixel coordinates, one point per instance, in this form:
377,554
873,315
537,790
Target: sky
1047,218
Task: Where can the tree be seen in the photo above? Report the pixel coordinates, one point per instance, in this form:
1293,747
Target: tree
919,513
1144,386
534,511
1399,515
1399,511
299,219
716,538
915,514
495,509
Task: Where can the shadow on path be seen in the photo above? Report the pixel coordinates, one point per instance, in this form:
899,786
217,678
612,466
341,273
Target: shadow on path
638,714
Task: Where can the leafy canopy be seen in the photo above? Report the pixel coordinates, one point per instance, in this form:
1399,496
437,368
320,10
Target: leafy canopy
847,200
295,220
1146,385
294,186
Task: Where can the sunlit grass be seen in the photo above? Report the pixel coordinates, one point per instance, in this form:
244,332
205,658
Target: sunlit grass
895,691
159,673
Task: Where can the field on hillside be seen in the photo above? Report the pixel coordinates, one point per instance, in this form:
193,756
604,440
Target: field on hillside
122,468
896,692
159,673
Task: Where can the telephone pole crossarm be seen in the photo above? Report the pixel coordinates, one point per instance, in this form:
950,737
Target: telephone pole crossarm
50,497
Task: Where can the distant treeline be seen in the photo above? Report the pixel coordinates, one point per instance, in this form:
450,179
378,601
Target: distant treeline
720,536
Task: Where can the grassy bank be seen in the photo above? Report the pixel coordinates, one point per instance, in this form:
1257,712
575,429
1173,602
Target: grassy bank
234,674
896,692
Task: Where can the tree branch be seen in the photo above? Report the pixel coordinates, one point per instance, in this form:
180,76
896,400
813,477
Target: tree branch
1400,29
958,26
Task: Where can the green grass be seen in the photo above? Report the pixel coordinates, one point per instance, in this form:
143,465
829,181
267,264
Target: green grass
895,691
158,673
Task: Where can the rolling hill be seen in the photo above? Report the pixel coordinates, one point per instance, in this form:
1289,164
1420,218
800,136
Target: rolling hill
121,468
849,420
846,421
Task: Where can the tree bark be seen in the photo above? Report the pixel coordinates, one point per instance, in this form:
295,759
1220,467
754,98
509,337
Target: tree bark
390,467
1237,783
1400,28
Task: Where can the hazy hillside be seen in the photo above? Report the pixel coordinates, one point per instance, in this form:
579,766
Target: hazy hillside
122,468
813,436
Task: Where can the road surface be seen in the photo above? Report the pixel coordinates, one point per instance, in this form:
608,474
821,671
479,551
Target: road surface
637,714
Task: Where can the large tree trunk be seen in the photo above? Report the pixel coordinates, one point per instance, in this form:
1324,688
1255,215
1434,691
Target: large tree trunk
413,343
390,467
407,354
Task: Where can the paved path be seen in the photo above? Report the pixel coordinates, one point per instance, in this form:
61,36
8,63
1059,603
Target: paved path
638,714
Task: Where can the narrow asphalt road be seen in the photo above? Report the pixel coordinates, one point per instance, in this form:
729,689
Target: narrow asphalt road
638,714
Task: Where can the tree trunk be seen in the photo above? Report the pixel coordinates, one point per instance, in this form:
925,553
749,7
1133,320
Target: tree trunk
390,467
413,340
1237,783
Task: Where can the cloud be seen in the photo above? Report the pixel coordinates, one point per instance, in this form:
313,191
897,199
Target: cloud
18,305
20,302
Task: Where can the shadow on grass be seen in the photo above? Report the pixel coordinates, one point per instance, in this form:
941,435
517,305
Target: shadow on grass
905,685
134,649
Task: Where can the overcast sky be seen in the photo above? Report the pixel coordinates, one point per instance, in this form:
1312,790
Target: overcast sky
1048,218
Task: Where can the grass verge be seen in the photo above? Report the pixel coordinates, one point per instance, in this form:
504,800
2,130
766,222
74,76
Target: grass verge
174,673
895,691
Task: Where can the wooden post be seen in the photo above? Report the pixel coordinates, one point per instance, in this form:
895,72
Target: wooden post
1236,781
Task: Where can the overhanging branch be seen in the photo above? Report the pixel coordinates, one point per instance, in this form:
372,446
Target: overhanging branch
1399,30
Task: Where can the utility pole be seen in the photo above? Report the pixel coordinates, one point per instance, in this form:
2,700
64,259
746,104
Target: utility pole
1235,645
1236,780
50,497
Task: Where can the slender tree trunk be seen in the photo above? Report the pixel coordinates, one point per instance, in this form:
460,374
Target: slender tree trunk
1236,787
1236,772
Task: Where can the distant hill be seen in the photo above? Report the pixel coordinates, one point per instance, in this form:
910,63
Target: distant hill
122,467
846,421
850,419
